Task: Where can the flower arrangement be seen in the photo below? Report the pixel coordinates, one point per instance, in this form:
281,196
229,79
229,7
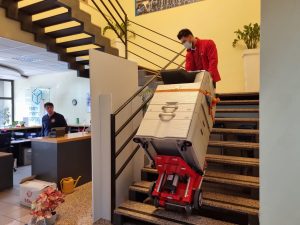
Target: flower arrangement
46,203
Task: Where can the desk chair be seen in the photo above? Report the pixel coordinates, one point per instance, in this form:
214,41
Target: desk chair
5,146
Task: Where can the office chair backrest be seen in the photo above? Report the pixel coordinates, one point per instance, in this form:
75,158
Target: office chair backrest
5,141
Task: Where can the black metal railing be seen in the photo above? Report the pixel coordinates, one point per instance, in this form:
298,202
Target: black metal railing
114,13
115,152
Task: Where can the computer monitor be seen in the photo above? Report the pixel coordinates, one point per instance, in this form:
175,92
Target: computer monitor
178,76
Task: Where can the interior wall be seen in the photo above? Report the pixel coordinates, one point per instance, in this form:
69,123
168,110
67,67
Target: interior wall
279,112
64,87
11,29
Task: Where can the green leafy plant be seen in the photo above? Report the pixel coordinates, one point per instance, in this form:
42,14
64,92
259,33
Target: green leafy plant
250,36
120,29
5,116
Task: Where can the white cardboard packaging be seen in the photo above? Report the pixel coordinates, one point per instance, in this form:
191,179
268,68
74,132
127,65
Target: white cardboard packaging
30,189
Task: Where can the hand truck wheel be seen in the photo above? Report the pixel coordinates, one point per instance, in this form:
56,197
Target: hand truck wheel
151,189
188,210
156,202
197,199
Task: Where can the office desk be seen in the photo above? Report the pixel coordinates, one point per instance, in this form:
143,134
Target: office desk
57,158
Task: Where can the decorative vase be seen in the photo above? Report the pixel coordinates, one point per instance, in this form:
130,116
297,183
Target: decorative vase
252,70
52,219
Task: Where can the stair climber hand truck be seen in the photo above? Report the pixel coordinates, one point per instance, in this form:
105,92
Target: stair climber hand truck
174,134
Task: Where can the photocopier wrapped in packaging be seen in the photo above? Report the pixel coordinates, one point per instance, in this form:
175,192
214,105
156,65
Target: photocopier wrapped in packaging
179,120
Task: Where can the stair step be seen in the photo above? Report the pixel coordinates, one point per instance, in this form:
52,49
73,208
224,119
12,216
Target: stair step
217,200
233,144
210,176
64,29
239,96
231,179
36,6
235,131
232,160
236,120
230,202
239,102
237,110
148,213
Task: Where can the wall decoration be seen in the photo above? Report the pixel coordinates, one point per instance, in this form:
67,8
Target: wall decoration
148,6
35,98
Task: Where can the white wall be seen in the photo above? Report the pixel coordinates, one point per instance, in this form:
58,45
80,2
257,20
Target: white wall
63,88
113,81
279,113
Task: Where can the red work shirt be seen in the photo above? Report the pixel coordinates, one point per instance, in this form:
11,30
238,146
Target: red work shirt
203,57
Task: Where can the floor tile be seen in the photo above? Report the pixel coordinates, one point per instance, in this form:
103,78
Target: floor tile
15,222
5,220
25,219
19,213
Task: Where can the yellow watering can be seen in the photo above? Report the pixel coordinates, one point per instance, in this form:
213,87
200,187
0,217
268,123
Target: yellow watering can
68,184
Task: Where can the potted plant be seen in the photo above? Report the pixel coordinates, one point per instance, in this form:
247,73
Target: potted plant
43,208
250,35
120,29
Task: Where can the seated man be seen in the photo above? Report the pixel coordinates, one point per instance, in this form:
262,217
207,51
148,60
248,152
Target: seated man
51,119
201,54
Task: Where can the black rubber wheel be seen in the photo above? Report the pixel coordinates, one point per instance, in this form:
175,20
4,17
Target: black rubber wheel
188,210
156,202
151,189
197,199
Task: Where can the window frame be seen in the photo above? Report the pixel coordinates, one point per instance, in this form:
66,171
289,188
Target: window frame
11,98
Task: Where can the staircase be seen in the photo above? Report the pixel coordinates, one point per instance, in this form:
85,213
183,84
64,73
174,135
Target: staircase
62,27
231,183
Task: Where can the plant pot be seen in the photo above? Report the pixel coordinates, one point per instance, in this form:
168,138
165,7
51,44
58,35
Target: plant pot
251,59
52,220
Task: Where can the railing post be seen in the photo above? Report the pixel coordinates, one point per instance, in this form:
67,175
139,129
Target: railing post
126,36
113,164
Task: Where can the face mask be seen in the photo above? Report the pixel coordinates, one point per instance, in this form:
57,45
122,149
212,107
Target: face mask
188,45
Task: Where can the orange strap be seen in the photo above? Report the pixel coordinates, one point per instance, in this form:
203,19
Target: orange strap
214,102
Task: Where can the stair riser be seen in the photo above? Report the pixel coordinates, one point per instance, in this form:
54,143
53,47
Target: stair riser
234,137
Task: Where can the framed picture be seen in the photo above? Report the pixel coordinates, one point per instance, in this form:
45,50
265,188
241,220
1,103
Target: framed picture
147,6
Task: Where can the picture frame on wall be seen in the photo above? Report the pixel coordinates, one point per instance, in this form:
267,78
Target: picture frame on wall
148,6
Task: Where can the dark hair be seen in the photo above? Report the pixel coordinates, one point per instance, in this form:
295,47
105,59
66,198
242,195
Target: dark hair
50,104
184,33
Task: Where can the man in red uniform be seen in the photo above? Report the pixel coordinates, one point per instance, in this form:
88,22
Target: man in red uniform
201,54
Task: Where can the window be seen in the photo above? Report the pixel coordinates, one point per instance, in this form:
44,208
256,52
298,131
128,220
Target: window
6,102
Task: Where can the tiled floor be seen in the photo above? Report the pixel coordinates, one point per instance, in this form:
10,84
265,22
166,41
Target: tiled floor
11,212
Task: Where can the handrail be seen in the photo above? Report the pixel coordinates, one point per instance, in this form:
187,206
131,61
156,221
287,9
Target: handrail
132,116
154,53
107,20
117,11
178,42
147,60
121,7
156,43
172,61
134,95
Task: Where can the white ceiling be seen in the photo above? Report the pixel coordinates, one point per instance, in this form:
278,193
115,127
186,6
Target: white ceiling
30,59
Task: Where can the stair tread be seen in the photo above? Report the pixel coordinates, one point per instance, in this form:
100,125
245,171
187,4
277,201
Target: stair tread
234,144
246,120
235,131
210,176
230,202
232,179
224,201
237,110
232,160
239,102
149,213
